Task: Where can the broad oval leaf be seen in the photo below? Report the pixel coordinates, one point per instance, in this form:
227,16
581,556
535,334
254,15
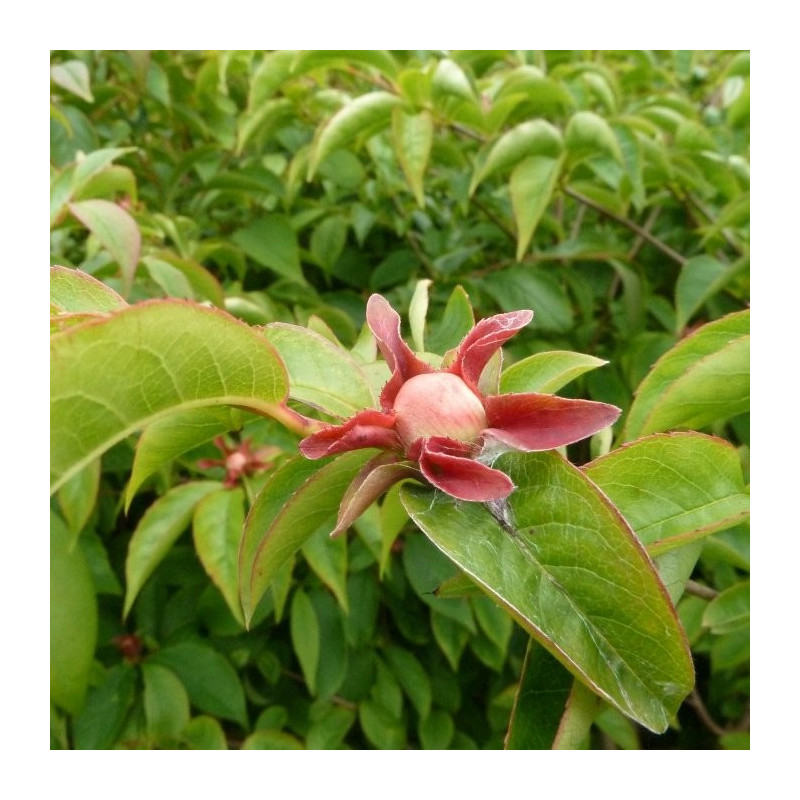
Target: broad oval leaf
366,115
158,530
74,291
729,611
272,243
532,184
294,502
563,561
701,278
704,378
78,496
413,139
111,377
674,488
588,134
547,372
116,230
166,704
94,163
321,374
73,76
73,619
217,530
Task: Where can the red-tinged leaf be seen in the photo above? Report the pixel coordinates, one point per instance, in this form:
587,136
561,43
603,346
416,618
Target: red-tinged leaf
448,466
116,231
366,429
544,421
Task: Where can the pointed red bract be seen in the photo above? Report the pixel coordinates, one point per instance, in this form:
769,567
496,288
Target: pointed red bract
448,465
384,322
543,421
368,428
483,341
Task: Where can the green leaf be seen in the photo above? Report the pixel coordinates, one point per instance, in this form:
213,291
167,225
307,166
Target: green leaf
116,230
272,243
327,731
412,677
436,730
78,496
294,502
100,721
540,701
328,558
383,730
211,682
565,564
157,531
119,374
451,637
305,633
73,291
532,184
533,138
73,619
450,79
271,740
456,322
171,436
166,704
674,488
93,164
365,116
382,60
417,312
413,138
704,378
217,530
204,733
74,77
321,374
328,240
588,134
268,77
333,660
729,612
700,279
547,372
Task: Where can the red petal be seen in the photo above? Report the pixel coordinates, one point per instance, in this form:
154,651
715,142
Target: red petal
544,421
374,478
445,463
366,429
480,344
384,322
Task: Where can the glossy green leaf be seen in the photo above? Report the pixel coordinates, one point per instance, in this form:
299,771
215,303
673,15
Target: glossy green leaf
217,531
418,312
73,619
74,291
436,730
321,374
450,79
704,378
565,564
116,230
328,240
272,242
588,134
413,138
100,721
547,372
328,558
268,77
158,530
382,60
701,278
73,76
327,731
171,436
170,279
364,116
294,502
204,733
673,488
540,701
333,659
119,374
166,704
384,730
78,496
457,320
94,163
305,632
203,284
532,184
729,612
211,682
533,138
451,636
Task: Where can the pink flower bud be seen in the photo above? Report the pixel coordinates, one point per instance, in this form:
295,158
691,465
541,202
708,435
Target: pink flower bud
438,404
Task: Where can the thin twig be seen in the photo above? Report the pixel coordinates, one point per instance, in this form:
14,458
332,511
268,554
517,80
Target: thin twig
577,223
494,218
699,590
696,702
648,226
637,229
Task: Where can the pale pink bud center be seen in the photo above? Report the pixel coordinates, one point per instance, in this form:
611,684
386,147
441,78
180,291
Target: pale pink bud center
438,404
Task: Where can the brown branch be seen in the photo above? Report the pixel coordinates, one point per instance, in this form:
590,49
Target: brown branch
494,218
696,703
648,226
699,590
637,229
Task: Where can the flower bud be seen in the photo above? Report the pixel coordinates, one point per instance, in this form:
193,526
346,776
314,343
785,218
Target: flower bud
438,404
